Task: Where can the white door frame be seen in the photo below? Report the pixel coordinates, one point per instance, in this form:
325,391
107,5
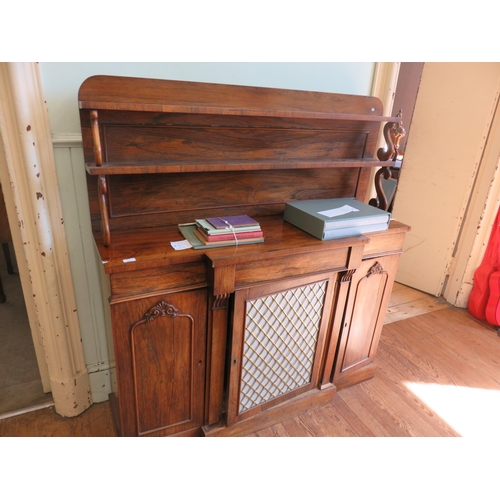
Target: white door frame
29,181
479,217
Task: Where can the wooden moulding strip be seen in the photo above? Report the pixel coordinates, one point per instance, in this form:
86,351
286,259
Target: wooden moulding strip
171,168
307,401
216,110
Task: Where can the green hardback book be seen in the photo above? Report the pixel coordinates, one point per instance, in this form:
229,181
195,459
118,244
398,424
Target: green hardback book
209,229
325,219
188,231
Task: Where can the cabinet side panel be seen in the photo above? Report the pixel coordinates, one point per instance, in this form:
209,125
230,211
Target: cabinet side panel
368,297
365,313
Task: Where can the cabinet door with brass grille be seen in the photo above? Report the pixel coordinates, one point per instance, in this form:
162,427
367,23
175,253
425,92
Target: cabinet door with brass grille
278,339
368,299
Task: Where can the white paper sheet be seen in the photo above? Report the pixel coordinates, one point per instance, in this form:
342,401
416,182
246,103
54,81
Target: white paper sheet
181,245
335,212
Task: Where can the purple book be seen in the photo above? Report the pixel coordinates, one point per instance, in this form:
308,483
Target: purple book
232,220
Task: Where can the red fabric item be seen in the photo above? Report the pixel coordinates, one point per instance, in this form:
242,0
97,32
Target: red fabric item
493,305
485,295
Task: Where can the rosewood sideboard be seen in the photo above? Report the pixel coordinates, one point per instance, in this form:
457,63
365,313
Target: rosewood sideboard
228,340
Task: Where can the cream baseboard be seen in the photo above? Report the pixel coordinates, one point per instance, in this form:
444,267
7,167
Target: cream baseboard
67,140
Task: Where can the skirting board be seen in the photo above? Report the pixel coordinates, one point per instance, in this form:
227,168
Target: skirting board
100,385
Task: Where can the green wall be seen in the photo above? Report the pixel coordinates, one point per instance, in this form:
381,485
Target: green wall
61,81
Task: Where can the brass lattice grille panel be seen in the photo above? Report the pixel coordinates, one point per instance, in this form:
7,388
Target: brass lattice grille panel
281,332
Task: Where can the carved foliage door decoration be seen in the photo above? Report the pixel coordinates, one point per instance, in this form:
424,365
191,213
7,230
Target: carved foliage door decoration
168,368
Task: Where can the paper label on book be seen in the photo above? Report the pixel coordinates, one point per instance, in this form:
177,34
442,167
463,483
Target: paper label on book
335,212
181,245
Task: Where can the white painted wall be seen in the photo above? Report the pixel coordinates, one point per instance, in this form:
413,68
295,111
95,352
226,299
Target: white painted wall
61,82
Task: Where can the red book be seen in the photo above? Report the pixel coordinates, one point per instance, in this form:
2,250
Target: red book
228,237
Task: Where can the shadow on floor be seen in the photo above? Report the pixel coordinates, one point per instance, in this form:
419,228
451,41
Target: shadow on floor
20,384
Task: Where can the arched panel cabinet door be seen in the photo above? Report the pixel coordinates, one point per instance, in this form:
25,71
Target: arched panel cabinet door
160,345
369,295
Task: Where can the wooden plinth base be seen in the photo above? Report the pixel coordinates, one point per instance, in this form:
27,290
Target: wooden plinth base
288,409
349,379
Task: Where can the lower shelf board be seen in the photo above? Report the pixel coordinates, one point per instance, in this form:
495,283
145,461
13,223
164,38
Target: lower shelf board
310,400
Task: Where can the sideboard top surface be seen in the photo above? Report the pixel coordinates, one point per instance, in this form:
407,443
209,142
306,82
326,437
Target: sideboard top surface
149,247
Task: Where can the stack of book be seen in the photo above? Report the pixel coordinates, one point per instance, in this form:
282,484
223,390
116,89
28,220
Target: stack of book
223,231
336,217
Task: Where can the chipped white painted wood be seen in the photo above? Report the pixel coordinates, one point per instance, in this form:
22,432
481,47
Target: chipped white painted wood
480,215
28,169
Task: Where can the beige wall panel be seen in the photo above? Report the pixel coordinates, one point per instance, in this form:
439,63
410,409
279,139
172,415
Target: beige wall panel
452,116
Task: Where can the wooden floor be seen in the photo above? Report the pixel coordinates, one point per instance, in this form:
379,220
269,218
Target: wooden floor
438,375
406,302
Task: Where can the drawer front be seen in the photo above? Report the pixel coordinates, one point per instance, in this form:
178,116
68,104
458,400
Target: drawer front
290,266
381,243
144,282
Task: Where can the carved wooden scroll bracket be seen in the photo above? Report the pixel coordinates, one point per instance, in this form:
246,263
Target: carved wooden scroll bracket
221,301
348,276
102,188
393,133
381,200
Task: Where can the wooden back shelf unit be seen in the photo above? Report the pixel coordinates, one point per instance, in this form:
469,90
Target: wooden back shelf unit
224,147
159,153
